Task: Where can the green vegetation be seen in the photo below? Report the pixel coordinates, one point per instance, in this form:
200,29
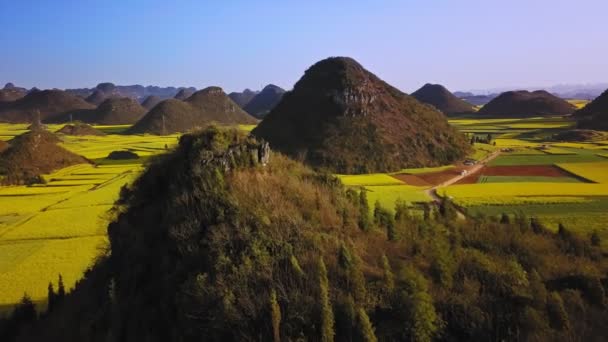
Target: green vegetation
526,179
507,160
273,249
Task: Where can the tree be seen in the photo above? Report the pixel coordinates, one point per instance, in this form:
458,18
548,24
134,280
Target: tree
424,318
384,218
595,239
364,222
275,310
558,318
365,328
389,278
447,209
427,212
422,322
350,263
52,297
60,289
327,315
442,265
402,212
25,311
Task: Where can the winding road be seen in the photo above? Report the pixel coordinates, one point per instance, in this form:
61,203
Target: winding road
432,192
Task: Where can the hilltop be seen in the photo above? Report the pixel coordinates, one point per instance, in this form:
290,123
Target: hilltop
79,129
243,98
112,111
223,240
442,99
151,101
262,103
210,105
342,117
11,93
51,104
523,103
97,97
595,114
32,154
183,94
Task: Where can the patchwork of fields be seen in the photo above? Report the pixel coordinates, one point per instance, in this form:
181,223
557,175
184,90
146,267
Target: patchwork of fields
557,182
60,227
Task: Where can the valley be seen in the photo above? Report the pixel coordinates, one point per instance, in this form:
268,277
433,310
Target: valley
40,225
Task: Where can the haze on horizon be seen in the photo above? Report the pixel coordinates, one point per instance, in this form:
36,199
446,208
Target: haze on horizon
246,44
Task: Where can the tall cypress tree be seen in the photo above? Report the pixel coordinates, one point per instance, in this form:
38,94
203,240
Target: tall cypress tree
365,327
60,289
327,314
389,278
364,222
52,298
275,310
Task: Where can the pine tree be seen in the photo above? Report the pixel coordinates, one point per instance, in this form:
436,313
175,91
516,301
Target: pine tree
275,310
422,321
327,315
558,318
52,297
60,289
351,264
24,312
364,222
364,327
389,278
402,212
595,238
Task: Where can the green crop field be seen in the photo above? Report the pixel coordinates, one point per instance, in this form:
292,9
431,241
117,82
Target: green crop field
526,179
512,160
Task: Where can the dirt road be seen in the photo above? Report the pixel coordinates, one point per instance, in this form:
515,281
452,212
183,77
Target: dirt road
432,192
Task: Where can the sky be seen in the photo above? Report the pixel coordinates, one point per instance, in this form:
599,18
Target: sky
464,44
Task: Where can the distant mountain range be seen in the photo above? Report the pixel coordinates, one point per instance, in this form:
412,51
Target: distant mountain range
137,92
565,91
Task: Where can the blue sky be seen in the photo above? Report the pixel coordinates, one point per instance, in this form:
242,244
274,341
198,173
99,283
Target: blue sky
463,44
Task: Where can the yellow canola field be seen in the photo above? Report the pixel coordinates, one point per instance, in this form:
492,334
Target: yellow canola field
595,172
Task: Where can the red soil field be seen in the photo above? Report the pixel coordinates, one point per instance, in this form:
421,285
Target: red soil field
429,179
517,170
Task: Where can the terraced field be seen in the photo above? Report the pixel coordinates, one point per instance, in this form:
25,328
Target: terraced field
60,227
